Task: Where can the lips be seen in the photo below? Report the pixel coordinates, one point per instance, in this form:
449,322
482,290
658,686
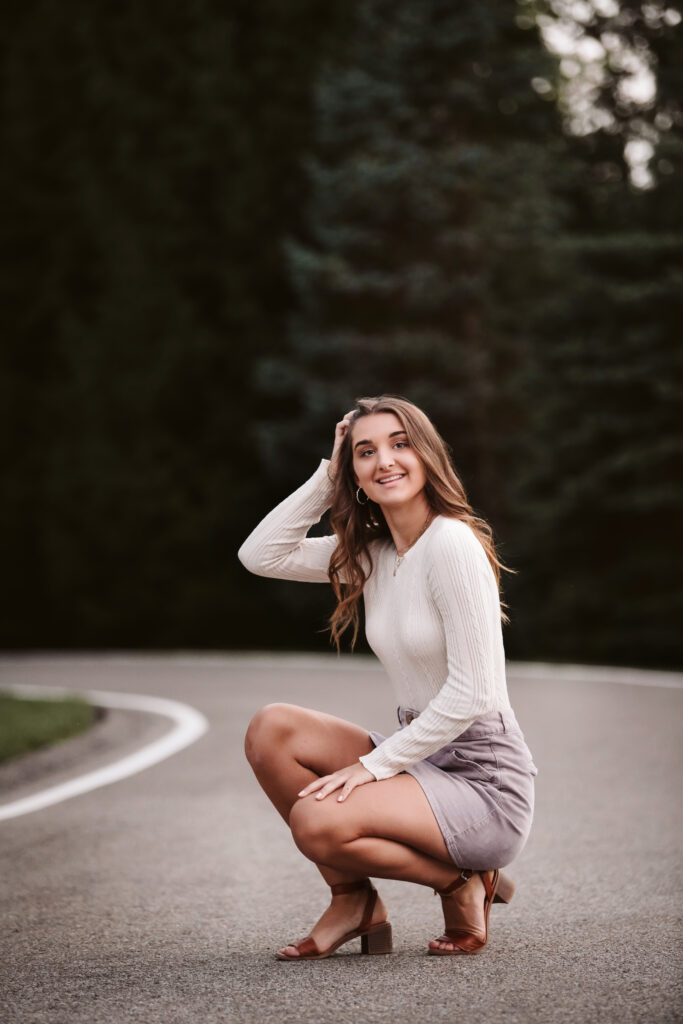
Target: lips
391,479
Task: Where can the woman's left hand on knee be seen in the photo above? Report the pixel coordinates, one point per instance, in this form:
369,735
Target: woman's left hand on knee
348,778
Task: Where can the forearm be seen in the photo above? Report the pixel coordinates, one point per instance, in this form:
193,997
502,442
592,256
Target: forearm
278,546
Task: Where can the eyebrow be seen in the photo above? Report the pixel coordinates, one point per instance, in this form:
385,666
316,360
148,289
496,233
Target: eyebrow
393,434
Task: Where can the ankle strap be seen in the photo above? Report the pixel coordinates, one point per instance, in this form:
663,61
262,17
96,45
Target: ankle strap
371,900
341,887
462,879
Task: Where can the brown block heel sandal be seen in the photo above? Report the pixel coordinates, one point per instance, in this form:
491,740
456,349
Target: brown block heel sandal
375,938
467,940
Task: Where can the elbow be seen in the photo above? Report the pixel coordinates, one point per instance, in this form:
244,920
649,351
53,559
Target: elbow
252,558
477,704
483,704
247,557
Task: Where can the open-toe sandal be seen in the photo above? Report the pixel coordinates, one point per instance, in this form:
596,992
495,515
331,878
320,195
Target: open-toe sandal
375,938
465,939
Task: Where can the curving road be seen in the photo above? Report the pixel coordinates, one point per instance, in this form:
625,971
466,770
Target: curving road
161,897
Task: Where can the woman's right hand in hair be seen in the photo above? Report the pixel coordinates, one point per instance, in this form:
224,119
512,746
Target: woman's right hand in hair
340,432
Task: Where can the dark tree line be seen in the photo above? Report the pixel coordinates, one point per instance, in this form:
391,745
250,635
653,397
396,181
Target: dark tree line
150,168
222,226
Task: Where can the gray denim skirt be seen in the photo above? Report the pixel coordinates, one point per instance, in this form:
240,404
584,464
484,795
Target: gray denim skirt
481,789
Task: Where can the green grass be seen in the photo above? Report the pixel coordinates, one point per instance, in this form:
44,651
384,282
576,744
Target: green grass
29,724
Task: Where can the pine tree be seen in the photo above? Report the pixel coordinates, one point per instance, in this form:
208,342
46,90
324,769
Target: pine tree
426,229
599,497
149,160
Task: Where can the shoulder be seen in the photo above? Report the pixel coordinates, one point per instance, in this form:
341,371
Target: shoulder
452,541
447,533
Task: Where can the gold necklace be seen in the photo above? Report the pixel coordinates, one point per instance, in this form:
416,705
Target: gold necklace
399,557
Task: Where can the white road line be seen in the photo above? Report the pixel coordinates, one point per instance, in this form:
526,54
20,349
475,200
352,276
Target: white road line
189,725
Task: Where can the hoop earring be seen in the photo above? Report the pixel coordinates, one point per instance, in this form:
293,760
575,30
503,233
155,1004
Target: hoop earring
358,499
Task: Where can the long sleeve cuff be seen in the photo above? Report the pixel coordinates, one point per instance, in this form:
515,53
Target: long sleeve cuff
424,736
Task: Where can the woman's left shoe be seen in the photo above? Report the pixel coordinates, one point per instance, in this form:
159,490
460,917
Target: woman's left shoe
466,937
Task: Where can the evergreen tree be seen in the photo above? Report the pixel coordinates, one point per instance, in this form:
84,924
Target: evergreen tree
425,231
150,163
461,250
599,497
436,185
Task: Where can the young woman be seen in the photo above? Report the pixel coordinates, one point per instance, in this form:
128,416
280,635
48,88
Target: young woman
447,800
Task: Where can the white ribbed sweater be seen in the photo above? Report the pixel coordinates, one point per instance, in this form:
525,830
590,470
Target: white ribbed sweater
435,625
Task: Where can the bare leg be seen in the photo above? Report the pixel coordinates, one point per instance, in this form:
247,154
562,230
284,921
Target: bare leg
387,830
384,829
288,747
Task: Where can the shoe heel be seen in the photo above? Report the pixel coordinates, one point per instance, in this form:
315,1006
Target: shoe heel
377,941
504,889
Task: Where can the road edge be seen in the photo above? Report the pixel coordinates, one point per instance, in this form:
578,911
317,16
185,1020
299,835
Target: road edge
188,726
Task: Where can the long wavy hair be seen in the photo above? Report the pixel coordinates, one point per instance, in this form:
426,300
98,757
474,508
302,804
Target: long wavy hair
357,525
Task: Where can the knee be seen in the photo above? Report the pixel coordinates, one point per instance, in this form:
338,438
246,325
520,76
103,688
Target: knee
267,731
313,830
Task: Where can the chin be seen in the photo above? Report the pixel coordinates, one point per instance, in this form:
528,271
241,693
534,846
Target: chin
395,499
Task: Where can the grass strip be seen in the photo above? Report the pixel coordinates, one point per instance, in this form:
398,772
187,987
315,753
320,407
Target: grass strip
30,724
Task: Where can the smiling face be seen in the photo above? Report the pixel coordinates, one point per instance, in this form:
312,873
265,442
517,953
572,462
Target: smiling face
384,464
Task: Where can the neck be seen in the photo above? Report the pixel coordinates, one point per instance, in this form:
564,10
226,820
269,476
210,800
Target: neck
405,521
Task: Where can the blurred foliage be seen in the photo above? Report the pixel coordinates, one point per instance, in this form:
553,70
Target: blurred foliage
599,495
222,225
150,169
425,231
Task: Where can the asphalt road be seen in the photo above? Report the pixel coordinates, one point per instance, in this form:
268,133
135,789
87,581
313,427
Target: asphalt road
162,897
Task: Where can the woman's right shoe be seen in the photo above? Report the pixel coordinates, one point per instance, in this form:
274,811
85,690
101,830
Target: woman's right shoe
375,938
466,937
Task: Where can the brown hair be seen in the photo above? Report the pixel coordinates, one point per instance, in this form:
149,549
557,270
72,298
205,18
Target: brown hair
357,525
